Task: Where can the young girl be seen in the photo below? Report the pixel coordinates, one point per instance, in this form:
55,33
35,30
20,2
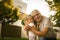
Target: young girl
30,22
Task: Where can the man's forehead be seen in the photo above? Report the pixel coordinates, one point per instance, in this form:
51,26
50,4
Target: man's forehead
35,12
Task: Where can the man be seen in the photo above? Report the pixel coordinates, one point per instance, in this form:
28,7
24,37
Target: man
44,26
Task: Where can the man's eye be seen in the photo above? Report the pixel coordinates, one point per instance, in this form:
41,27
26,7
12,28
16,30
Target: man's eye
37,14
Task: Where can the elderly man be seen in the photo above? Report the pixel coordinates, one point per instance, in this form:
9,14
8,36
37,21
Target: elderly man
44,26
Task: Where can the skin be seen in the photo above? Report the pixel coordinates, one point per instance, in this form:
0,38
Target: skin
29,20
38,18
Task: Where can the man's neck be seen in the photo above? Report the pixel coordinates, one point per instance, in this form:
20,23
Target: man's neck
40,20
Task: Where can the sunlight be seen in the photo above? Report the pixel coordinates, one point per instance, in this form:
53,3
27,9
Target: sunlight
40,5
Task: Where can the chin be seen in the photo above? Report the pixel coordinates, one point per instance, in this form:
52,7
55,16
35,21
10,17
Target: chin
38,20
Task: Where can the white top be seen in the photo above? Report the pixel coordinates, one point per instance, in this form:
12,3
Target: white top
46,23
31,24
31,33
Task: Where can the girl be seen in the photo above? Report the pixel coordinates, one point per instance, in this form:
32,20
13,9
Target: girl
30,22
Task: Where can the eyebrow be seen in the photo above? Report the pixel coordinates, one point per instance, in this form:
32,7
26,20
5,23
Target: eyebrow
36,14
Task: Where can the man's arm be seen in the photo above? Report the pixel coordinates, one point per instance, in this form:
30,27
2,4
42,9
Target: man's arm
42,33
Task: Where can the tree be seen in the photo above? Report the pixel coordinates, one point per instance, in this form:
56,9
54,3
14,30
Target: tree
8,14
55,5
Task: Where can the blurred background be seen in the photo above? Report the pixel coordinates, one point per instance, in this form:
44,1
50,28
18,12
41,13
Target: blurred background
13,12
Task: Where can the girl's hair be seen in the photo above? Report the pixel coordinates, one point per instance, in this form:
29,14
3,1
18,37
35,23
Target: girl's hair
33,20
23,21
28,16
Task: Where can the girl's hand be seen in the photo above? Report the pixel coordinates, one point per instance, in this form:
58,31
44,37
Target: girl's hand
26,28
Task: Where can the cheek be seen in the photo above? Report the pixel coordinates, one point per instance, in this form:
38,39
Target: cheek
35,19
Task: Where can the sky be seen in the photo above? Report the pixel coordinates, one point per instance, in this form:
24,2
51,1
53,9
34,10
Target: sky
40,5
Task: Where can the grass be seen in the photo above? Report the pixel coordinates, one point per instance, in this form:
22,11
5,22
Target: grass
15,39
58,39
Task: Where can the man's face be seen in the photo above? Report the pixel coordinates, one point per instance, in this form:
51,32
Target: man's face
36,15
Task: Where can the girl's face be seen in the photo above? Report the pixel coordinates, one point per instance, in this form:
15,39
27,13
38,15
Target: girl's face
30,19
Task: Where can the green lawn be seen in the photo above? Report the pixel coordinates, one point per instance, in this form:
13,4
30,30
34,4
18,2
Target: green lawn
58,39
13,39
16,39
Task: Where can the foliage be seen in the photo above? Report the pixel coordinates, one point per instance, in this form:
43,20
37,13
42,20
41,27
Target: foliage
55,5
14,38
23,22
8,13
24,18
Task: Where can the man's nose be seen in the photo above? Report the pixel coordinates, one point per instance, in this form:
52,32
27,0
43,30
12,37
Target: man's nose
36,16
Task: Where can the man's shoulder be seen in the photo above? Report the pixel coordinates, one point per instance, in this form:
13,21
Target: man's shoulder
44,17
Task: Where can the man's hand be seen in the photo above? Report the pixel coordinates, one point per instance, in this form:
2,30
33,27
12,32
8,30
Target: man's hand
33,28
